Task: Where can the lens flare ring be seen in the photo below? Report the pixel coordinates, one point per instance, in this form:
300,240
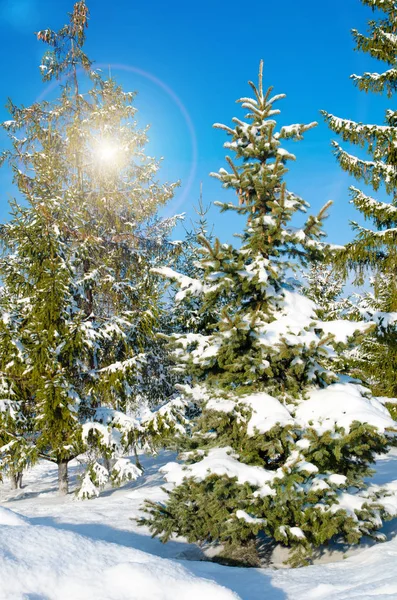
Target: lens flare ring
108,150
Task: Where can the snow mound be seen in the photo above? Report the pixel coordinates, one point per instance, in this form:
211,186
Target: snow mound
10,518
43,562
370,575
340,404
38,563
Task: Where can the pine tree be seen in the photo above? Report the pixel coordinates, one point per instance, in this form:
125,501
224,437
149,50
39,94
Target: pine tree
17,440
186,306
278,447
325,287
375,359
373,251
78,253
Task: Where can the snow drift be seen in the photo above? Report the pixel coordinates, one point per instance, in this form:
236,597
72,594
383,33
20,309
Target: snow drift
47,563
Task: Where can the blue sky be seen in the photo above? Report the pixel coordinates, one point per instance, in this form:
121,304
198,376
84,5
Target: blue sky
189,62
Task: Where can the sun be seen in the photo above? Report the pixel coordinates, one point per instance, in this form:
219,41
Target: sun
107,151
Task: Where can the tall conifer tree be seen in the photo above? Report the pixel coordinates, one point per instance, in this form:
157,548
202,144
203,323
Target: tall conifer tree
279,447
78,252
373,250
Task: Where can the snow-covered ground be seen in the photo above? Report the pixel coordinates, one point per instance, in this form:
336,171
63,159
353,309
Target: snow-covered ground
65,549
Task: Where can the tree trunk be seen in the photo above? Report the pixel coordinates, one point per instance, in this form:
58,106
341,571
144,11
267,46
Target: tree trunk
63,481
107,464
137,461
16,480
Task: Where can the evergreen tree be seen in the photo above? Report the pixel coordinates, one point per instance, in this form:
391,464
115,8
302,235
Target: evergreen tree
279,447
375,359
373,251
186,304
17,440
325,287
78,253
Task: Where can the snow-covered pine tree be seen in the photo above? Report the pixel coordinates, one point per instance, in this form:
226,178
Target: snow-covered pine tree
186,309
78,252
373,251
278,448
37,269
17,441
375,359
325,287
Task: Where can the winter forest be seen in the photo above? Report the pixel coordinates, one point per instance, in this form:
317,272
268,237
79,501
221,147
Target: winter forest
192,416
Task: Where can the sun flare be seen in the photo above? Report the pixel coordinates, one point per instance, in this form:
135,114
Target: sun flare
107,151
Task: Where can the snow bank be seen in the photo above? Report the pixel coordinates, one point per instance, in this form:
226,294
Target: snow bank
10,518
370,575
340,404
43,562
38,563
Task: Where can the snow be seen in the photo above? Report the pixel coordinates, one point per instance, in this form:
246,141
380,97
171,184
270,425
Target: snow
295,322
10,518
338,404
341,404
187,284
43,562
384,319
350,503
297,532
337,479
386,400
342,330
67,550
289,325
295,131
125,469
241,514
266,413
303,444
88,489
58,549
221,405
220,461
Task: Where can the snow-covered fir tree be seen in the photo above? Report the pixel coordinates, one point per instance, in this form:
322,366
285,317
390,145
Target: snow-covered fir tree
373,250
78,254
375,359
282,446
325,287
17,441
186,304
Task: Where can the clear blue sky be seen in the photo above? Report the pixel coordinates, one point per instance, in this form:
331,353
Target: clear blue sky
189,62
